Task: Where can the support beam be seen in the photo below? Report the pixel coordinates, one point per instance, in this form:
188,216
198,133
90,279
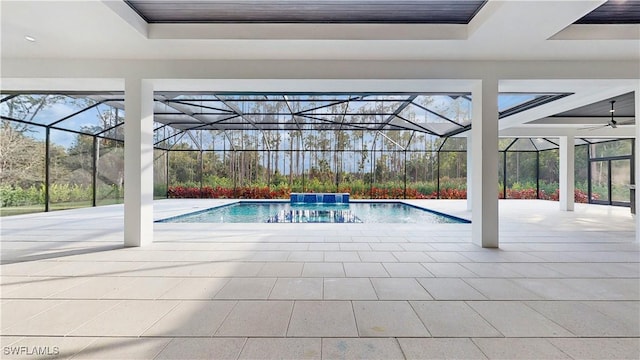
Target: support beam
94,171
485,163
622,131
138,163
469,171
47,170
567,166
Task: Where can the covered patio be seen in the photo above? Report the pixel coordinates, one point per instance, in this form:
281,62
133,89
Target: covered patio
530,279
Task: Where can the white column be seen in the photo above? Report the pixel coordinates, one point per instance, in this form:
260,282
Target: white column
484,130
637,160
567,166
469,171
138,163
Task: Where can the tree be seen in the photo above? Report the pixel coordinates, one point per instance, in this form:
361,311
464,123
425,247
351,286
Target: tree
184,165
21,157
342,142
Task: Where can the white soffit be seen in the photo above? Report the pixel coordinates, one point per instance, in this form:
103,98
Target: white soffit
307,31
599,32
62,84
315,85
627,131
502,30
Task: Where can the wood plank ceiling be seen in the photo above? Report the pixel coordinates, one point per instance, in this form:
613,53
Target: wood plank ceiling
614,12
300,11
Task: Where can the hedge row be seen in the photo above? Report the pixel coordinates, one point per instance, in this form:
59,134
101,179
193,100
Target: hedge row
13,196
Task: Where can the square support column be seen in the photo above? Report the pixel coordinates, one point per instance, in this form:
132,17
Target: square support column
567,173
637,160
138,163
484,131
469,171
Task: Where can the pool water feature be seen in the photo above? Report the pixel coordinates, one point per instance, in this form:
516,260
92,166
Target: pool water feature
319,198
285,212
307,215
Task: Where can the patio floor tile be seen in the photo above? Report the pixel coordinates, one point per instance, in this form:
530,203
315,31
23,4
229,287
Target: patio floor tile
440,348
306,256
365,269
142,288
281,269
515,319
520,349
362,348
123,348
96,288
279,348
196,289
412,256
41,288
127,318
453,319
341,256
406,270
61,319
502,289
448,270
322,319
387,319
376,256
192,318
599,348
257,318
399,289
297,289
323,270
202,348
450,289
583,320
246,289
18,311
348,289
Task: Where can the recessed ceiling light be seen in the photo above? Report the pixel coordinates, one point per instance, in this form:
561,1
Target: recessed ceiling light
30,38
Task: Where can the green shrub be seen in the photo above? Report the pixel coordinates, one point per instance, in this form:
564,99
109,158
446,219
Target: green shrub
12,196
213,181
112,191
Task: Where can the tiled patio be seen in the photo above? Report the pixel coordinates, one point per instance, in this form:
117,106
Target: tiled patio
562,285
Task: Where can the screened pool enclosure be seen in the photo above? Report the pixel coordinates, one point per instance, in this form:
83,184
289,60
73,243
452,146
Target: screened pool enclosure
62,151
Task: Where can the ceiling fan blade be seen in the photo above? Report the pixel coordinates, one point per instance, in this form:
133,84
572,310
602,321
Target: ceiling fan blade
612,122
595,127
626,122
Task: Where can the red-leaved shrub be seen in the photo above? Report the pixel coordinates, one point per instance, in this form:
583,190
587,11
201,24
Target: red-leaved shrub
207,192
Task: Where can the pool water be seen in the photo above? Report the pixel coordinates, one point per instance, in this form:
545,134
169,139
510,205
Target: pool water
285,212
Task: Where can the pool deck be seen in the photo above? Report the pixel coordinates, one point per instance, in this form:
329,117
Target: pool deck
562,285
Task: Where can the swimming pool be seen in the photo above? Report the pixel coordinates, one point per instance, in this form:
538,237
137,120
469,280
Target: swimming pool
285,212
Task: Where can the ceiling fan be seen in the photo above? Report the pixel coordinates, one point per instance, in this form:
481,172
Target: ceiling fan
612,122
